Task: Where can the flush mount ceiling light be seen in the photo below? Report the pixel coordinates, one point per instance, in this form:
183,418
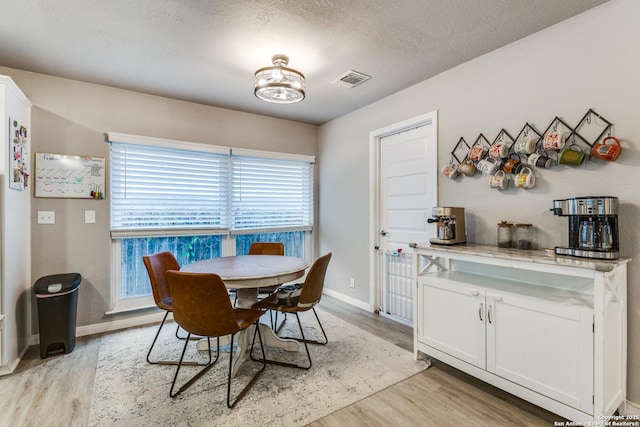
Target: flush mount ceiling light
279,84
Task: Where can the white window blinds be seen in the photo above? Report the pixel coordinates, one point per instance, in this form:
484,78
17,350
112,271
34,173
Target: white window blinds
165,189
269,193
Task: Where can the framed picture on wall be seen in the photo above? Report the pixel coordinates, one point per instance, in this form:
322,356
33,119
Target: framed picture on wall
18,156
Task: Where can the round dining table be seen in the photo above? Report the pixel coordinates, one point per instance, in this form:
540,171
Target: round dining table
245,274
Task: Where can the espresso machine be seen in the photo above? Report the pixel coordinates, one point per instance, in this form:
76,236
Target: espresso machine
451,229
593,226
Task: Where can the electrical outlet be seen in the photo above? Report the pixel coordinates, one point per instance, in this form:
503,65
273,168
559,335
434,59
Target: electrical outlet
352,283
46,217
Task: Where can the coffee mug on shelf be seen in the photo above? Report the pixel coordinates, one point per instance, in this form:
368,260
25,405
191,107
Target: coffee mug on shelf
572,156
525,179
476,153
450,170
467,167
555,140
489,166
499,181
540,160
608,149
512,165
525,145
499,150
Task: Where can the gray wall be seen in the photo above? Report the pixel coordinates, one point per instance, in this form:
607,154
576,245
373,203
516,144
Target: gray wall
589,61
71,117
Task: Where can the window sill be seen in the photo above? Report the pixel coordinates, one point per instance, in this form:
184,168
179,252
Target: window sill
128,310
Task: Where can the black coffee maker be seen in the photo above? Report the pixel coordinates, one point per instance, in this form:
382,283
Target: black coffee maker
593,226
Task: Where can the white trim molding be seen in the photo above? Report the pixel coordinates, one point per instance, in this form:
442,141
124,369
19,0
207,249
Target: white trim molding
347,299
431,118
631,409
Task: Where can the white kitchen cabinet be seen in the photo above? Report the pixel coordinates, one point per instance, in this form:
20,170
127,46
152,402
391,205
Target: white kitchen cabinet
552,331
452,320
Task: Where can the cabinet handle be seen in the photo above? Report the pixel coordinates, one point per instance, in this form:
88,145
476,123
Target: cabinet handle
480,312
489,313
497,297
473,292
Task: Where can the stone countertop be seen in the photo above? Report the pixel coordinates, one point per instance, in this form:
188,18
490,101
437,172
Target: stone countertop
535,256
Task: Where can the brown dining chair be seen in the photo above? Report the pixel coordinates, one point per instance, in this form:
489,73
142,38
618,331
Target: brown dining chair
310,295
269,248
201,306
157,266
264,248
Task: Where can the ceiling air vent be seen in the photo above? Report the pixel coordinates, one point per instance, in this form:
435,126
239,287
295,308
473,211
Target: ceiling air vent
351,79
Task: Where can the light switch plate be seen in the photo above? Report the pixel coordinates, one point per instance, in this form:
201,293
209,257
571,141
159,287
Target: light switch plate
46,217
89,217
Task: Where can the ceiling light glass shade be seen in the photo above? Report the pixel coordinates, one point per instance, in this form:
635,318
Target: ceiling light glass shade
279,84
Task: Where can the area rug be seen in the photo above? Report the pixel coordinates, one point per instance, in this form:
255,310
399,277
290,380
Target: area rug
353,365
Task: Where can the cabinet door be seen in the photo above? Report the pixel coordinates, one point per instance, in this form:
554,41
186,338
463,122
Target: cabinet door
544,346
451,319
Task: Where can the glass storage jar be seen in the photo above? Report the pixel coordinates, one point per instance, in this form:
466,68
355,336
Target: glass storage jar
505,235
524,236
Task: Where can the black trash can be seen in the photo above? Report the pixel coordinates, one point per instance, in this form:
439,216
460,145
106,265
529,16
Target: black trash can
57,311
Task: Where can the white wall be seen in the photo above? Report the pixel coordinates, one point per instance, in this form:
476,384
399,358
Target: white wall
71,117
589,61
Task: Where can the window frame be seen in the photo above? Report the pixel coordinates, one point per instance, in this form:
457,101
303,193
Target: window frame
228,246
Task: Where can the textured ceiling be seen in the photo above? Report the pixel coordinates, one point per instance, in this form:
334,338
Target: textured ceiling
206,51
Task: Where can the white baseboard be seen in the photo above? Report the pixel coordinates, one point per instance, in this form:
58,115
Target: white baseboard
8,369
115,325
131,322
348,299
631,409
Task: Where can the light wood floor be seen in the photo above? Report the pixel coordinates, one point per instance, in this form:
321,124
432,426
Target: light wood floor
57,391
439,396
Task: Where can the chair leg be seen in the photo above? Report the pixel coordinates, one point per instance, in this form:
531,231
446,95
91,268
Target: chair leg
207,366
193,337
326,340
290,365
255,376
170,362
274,321
155,339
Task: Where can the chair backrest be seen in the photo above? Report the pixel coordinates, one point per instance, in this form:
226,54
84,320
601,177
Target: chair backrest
314,282
201,304
157,266
266,248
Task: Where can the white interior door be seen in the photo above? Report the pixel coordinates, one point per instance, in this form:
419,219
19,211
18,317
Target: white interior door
407,192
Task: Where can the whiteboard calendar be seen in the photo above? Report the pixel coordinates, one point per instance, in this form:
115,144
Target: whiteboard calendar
61,175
